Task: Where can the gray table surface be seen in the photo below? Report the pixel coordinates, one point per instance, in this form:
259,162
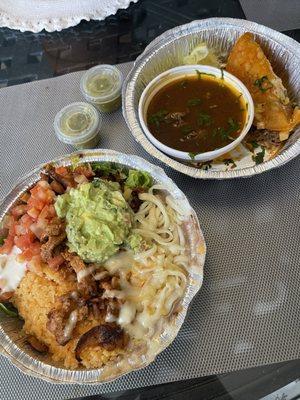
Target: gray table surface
268,12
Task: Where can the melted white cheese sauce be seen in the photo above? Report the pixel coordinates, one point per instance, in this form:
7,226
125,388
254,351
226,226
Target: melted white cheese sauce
11,271
70,325
149,294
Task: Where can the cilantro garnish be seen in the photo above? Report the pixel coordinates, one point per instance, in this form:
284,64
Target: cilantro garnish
263,84
254,144
198,74
193,102
203,73
229,161
186,129
192,155
259,157
157,117
204,119
222,73
225,133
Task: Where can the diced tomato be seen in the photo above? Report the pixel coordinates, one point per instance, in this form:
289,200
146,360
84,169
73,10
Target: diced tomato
7,246
61,170
30,252
20,229
37,229
19,210
51,211
36,203
43,184
56,261
24,241
12,229
26,221
33,213
8,221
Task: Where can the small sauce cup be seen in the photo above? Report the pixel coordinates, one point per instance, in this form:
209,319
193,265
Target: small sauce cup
182,72
101,86
78,124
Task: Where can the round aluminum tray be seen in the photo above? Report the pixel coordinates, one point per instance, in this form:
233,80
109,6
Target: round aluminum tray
167,51
13,344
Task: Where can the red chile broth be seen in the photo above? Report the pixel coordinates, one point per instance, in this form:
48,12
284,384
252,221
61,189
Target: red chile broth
197,114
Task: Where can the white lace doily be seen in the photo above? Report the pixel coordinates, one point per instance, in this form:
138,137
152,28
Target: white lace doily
55,15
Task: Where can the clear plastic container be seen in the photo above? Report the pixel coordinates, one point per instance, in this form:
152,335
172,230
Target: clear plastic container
78,124
101,86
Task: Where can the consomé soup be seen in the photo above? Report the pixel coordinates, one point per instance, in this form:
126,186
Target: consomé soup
197,113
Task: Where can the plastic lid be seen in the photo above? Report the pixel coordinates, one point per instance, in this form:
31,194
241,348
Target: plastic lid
101,83
77,123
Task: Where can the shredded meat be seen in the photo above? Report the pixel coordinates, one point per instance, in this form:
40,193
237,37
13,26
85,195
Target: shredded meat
176,118
54,228
57,187
108,336
87,285
58,316
98,306
75,261
48,247
36,344
265,138
85,169
64,180
52,237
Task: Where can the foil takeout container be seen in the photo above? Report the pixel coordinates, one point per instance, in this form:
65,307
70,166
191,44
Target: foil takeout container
169,49
12,342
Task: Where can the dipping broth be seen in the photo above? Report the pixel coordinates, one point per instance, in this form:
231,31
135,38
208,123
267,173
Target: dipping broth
197,114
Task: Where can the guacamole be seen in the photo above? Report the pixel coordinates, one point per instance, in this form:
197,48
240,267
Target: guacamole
98,219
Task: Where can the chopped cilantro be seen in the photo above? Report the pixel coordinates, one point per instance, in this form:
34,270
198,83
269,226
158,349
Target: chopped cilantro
204,119
199,74
226,133
233,125
259,157
222,73
254,144
223,133
2,238
229,161
215,132
193,155
193,102
157,117
186,129
263,84
107,168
